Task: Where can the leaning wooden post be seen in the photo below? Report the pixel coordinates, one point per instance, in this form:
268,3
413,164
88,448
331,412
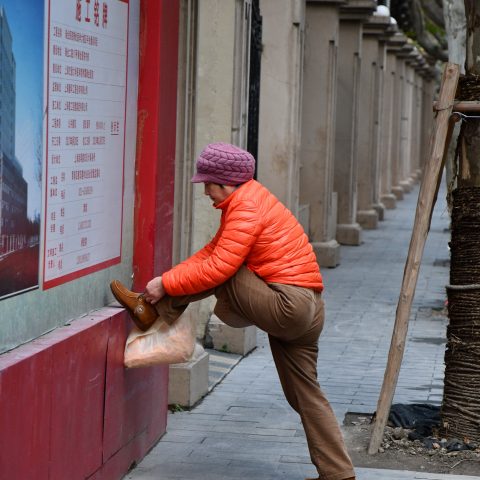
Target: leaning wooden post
425,204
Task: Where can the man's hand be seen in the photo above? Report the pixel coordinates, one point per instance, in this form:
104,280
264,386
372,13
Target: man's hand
154,290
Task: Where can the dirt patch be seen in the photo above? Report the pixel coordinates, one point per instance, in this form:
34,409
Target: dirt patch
399,453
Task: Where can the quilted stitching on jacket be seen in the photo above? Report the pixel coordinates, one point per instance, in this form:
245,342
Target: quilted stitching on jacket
255,229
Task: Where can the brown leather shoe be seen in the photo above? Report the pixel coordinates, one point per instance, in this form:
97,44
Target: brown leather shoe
142,312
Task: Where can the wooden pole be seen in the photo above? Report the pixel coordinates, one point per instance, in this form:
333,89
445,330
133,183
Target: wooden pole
425,204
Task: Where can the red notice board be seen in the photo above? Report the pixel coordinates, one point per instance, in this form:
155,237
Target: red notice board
87,61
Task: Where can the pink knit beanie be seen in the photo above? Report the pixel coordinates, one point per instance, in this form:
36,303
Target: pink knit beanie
224,164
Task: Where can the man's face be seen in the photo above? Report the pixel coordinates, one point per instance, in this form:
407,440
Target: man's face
218,193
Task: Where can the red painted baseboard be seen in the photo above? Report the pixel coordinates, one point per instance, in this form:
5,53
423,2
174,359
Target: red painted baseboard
69,409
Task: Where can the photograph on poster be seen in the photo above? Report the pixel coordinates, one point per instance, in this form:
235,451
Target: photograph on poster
21,143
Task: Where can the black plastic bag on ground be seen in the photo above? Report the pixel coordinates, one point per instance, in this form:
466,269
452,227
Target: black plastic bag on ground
422,419
418,416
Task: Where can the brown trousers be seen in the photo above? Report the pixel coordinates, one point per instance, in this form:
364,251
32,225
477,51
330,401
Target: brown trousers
293,318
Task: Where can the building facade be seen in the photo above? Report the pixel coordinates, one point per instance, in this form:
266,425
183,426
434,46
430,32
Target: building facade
7,89
335,144
13,187
13,206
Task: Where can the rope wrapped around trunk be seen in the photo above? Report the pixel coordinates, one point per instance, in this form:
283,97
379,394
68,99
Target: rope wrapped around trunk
461,401
468,87
460,411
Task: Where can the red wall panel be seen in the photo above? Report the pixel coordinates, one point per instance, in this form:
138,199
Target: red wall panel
25,414
136,396
69,408
78,387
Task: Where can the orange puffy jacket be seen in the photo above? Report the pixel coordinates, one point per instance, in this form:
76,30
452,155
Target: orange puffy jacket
256,229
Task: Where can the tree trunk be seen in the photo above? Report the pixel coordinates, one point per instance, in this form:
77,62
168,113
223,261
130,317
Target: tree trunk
456,31
461,400
455,28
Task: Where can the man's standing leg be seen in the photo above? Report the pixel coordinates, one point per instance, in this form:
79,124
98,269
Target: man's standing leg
293,317
296,363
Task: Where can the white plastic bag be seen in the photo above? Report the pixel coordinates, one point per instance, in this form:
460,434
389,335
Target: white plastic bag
161,343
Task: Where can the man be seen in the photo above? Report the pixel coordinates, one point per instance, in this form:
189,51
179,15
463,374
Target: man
263,271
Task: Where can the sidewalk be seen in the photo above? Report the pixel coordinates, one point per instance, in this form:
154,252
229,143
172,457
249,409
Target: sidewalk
244,429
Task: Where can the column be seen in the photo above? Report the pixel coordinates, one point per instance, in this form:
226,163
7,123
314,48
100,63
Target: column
405,120
414,173
280,98
410,125
318,128
399,92
352,17
369,208
381,121
390,120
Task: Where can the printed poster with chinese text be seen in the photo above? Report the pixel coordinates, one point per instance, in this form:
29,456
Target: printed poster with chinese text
85,137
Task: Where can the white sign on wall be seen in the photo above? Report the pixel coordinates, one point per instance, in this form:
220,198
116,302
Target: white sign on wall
85,135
